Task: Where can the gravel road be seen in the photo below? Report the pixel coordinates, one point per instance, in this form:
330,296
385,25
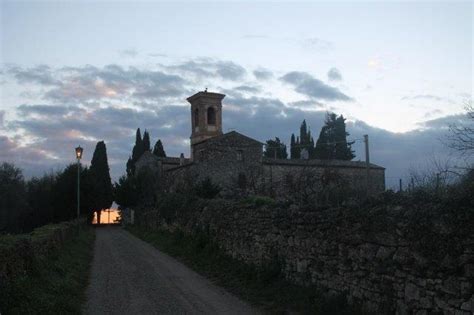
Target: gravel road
129,276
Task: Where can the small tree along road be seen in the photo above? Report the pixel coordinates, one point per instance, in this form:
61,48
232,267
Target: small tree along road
129,276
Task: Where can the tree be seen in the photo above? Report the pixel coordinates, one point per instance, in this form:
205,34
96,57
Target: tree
137,151
342,148
100,179
332,142
461,137
322,149
158,149
146,142
64,194
293,149
126,191
275,149
13,206
41,199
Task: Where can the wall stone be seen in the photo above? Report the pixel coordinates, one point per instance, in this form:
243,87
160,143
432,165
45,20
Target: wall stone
384,257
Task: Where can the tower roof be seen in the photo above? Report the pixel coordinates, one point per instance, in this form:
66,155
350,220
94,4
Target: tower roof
205,94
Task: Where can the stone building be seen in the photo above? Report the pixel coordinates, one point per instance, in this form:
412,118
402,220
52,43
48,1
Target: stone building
235,162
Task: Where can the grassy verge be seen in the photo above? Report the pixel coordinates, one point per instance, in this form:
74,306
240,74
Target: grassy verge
265,288
57,283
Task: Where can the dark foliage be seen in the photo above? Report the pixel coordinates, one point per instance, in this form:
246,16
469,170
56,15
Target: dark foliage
41,200
332,142
206,189
158,149
14,209
275,149
100,181
146,141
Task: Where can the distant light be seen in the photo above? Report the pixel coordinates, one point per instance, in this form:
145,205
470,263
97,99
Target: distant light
79,152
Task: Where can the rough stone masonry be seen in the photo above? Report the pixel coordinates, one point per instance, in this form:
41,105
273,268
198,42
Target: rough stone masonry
392,259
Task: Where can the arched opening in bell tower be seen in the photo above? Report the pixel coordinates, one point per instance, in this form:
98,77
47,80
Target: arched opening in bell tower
211,116
196,118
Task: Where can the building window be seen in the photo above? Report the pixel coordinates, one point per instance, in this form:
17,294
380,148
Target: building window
239,155
196,117
211,116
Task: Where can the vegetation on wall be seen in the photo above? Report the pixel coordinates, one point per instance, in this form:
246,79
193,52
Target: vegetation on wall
50,277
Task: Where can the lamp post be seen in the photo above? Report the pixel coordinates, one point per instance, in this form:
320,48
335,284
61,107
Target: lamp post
78,157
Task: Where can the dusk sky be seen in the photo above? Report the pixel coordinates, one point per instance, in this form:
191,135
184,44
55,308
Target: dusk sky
77,73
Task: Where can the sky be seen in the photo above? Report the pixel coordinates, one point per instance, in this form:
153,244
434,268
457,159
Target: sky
79,72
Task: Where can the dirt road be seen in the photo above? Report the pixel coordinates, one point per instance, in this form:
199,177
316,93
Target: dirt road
129,276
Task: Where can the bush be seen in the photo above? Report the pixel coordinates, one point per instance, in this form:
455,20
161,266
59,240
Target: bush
259,201
206,189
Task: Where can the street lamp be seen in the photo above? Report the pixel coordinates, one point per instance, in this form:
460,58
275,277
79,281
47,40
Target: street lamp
78,157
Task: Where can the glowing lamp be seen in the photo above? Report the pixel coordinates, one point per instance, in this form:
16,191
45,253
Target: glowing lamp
79,152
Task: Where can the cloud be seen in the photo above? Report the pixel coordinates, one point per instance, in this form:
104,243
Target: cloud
41,74
128,53
426,97
307,105
305,84
86,104
255,36
262,74
2,118
316,43
247,88
157,55
334,74
109,82
208,67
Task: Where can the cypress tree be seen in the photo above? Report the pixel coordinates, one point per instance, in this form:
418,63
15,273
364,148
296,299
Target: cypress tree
100,179
158,150
293,147
137,151
139,148
130,167
343,150
321,151
332,142
146,141
297,148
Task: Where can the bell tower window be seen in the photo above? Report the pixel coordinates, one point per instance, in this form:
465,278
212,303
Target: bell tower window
196,117
211,116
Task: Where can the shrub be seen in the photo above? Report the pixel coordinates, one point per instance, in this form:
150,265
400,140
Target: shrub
206,189
259,201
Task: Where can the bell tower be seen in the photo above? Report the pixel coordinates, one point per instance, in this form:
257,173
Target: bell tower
206,116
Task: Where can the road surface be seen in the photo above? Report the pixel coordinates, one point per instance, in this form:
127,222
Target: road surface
129,276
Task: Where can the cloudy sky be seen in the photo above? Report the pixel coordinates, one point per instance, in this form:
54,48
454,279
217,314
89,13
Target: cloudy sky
76,73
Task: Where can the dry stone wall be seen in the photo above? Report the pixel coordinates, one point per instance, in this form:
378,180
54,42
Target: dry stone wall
395,260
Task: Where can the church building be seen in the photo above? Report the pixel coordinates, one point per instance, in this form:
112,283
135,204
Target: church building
235,162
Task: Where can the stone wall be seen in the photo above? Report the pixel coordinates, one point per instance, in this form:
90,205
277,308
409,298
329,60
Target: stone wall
18,253
393,259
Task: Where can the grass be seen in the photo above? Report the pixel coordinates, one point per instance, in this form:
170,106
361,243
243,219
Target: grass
264,288
57,283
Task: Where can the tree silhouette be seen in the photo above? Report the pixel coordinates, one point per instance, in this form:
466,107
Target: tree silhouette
275,149
332,142
137,151
146,142
100,179
158,149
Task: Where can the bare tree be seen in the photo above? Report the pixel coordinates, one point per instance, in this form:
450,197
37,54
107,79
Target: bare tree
461,137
